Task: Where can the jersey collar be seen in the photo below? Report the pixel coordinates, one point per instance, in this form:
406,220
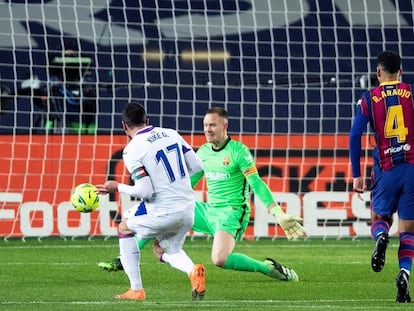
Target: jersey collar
222,146
146,129
389,82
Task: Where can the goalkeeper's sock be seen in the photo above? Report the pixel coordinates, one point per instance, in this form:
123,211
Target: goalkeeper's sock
241,262
378,227
141,243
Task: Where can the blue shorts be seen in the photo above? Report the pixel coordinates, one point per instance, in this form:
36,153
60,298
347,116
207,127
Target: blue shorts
393,191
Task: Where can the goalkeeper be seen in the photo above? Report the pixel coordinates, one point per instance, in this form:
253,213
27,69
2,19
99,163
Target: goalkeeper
229,169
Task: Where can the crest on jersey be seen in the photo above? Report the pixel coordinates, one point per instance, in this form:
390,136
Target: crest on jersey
226,161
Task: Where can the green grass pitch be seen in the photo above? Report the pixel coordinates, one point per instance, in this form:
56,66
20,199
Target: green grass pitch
58,274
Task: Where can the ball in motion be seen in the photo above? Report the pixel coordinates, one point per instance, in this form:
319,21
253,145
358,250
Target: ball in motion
85,198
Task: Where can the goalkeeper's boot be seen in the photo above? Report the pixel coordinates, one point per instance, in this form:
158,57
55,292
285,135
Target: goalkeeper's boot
113,265
132,294
378,256
198,282
403,293
280,272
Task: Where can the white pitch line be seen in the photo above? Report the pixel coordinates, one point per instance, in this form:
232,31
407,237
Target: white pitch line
188,245
286,304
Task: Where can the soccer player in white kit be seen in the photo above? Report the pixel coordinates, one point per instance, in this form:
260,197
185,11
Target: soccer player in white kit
160,163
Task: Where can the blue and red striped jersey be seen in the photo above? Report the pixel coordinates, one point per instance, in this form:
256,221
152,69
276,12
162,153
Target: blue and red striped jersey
389,108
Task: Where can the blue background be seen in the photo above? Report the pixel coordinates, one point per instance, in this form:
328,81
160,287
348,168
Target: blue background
314,67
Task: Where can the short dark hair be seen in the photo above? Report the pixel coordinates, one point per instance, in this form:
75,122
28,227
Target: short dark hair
390,61
134,114
219,110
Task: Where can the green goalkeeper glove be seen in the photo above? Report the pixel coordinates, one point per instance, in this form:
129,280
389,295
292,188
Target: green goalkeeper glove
290,224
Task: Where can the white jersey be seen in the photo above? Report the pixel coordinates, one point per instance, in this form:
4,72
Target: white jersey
160,154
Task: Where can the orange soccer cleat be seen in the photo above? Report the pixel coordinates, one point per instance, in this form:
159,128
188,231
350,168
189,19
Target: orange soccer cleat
132,294
198,282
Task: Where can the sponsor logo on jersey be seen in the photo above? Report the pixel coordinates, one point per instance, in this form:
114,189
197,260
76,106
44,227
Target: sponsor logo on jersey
217,175
248,158
392,149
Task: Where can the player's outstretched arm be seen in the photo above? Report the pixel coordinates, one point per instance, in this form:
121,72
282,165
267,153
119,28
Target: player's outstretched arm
290,224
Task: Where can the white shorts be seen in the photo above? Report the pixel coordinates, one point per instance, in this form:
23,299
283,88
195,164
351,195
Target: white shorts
134,211
170,230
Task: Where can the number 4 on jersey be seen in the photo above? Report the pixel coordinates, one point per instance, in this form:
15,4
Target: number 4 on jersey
394,124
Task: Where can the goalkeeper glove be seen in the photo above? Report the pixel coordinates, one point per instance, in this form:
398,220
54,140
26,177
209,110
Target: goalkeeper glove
290,224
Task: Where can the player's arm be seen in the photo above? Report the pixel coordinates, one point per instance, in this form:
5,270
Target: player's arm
193,162
290,224
195,178
142,187
358,127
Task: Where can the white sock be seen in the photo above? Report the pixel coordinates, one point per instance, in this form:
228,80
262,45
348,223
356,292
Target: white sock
130,261
179,261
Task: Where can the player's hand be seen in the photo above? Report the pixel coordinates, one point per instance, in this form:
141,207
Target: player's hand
291,226
359,186
109,186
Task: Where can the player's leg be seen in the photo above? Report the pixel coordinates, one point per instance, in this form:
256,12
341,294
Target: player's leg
379,231
169,248
195,272
200,225
201,220
230,227
406,227
222,256
405,259
383,206
130,258
115,264
145,226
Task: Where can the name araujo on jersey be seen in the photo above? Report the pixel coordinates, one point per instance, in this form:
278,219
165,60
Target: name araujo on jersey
394,92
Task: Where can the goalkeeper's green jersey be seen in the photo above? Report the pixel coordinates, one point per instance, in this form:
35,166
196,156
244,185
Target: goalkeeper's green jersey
229,171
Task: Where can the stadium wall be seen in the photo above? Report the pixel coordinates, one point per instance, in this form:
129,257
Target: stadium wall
312,183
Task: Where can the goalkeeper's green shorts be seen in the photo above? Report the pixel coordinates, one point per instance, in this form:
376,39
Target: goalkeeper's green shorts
233,219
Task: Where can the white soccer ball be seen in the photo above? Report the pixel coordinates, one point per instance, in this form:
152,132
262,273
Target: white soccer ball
85,198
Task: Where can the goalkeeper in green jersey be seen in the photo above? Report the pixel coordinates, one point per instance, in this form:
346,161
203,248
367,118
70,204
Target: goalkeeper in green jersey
230,172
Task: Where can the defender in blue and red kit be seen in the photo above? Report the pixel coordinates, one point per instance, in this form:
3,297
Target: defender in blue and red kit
389,109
